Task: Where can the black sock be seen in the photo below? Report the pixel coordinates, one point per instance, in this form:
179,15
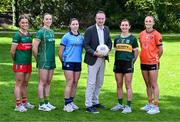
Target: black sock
67,101
120,100
129,103
72,98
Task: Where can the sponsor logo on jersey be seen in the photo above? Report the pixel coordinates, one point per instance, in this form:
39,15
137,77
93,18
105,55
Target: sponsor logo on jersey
127,41
124,47
51,40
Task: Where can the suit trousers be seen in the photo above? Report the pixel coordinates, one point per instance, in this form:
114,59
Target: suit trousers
94,82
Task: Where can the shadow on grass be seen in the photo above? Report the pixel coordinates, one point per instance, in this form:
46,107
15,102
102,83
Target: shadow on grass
168,105
5,53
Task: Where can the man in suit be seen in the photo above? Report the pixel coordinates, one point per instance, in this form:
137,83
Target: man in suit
95,35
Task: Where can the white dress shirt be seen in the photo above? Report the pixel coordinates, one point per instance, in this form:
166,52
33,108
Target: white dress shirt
100,31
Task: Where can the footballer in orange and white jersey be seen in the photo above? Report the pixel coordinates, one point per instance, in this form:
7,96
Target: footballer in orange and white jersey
149,41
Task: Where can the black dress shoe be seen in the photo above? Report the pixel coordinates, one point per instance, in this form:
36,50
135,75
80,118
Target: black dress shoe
99,106
92,110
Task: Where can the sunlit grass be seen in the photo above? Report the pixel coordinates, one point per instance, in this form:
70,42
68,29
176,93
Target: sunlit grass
169,84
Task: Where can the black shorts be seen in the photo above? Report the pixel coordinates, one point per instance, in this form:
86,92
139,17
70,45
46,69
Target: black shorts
121,66
148,67
73,66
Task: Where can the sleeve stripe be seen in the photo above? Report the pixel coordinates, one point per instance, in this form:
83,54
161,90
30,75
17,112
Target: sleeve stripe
135,48
37,39
63,44
14,43
159,45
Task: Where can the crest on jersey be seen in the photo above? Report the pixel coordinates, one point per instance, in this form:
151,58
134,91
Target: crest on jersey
127,41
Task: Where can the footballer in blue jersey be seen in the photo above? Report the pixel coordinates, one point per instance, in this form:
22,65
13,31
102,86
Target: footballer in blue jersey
70,54
73,47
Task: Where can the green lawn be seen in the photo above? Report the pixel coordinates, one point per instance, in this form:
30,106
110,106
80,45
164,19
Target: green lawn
169,84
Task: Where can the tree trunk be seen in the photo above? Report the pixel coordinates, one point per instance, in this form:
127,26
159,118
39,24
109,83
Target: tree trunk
13,10
16,11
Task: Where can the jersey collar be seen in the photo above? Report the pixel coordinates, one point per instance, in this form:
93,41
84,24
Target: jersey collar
74,34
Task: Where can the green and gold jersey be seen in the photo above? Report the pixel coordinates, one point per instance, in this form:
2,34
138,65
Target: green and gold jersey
124,47
46,49
23,53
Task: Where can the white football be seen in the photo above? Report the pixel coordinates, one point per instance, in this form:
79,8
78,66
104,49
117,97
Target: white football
102,49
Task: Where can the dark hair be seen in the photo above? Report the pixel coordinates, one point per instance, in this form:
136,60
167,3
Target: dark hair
151,17
100,12
42,24
72,19
124,20
46,14
22,17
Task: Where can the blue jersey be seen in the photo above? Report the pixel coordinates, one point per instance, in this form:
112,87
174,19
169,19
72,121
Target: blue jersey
73,47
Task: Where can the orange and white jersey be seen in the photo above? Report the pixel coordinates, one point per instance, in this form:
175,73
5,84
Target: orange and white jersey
149,43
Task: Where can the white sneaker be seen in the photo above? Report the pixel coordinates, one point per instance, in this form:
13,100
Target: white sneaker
146,107
126,110
74,106
28,105
154,110
43,107
50,106
68,108
20,108
117,107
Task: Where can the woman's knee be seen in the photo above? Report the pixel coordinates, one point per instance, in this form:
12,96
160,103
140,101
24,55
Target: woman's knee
69,83
42,82
128,86
75,83
19,82
148,84
119,86
154,85
25,83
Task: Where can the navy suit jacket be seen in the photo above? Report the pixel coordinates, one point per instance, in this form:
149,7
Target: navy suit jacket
91,41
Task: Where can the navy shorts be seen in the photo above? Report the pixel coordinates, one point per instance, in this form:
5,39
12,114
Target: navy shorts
148,67
121,66
73,66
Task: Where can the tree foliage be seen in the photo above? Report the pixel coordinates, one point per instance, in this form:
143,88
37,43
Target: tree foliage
164,11
5,6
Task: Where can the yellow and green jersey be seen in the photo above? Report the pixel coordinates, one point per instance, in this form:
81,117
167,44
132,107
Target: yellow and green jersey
124,47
